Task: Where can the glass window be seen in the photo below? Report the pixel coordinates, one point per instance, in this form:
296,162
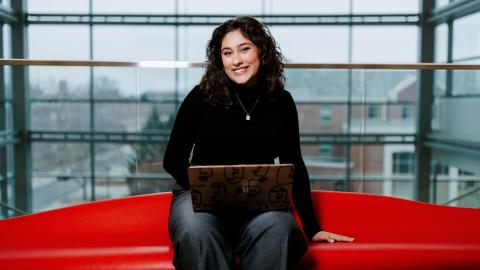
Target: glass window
9,116
127,83
7,50
403,162
133,43
60,116
130,169
466,82
48,82
382,44
58,6
137,6
307,7
219,7
373,112
313,85
407,112
324,171
134,117
325,115
7,53
440,77
318,44
441,43
393,85
441,3
69,42
381,6
115,83
325,150
366,164
60,174
193,41
466,37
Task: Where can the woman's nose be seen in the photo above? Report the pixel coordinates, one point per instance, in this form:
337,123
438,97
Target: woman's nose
237,59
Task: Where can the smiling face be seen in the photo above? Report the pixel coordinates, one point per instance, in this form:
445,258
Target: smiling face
240,58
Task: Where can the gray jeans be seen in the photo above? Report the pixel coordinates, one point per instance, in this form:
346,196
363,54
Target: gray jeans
270,240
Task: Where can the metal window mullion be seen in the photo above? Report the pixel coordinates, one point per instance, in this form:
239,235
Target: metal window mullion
21,113
449,78
349,103
3,127
424,108
92,108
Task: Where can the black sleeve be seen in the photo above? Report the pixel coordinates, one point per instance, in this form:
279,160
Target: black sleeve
182,138
291,153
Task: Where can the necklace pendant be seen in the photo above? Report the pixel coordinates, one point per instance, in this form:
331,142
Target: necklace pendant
247,117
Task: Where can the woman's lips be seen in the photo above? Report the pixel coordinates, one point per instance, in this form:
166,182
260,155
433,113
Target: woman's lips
239,71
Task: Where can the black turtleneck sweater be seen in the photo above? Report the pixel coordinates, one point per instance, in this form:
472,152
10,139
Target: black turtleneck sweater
223,136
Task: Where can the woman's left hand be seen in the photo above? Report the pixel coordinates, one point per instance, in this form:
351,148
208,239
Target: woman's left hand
330,237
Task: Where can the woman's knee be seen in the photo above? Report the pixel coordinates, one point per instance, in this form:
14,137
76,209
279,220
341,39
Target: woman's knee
278,222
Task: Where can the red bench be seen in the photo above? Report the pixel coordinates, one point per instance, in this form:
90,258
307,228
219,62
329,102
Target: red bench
131,233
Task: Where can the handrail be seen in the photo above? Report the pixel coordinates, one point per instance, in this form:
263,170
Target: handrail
461,196
186,64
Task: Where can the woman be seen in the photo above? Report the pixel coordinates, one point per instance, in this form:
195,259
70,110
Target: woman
239,114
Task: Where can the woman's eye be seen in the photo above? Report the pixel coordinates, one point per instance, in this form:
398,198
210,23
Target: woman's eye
245,49
227,53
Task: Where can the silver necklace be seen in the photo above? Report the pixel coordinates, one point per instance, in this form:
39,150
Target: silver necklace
247,117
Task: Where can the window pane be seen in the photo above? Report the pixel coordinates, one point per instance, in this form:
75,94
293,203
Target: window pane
316,45
325,114
57,6
138,6
115,83
466,37
317,85
9,116
219,7
188,78
381,6
60,116
112,162
378,104
441,43
58,42
383,44
193,42
326,172
60,174
373,170
383,85
450,182
441,3
308,117
134,43
7,41
466,82
59,82
307,6
119,83
440,77
133,117
146,170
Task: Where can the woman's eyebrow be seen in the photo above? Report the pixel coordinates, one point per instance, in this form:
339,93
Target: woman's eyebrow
240,45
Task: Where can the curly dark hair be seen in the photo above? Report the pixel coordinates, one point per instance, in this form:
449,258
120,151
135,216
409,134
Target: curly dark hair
215,82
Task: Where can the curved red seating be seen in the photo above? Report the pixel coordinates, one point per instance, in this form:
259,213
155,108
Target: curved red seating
131,233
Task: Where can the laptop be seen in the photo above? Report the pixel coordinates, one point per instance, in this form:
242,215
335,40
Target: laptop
250,188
